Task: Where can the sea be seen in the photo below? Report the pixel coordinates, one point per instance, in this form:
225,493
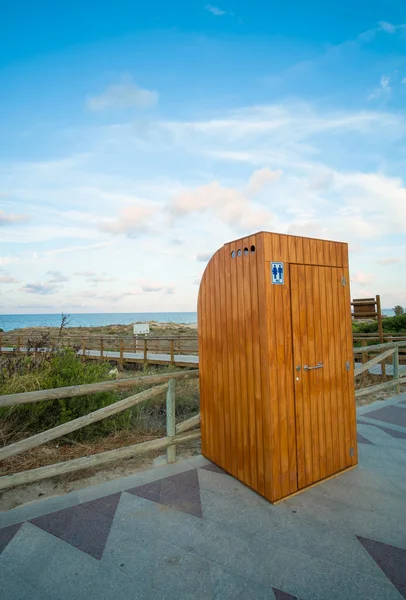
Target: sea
10,322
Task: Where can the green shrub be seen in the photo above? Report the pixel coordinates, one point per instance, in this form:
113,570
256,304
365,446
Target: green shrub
395,324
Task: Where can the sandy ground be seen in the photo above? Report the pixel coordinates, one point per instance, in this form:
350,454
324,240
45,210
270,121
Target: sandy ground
159,329
56,486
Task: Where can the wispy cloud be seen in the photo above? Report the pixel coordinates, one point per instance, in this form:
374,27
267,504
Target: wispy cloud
12,219
204,257
39,288
7,279
218,12
132,220
57,277
390,261
125,94
384,89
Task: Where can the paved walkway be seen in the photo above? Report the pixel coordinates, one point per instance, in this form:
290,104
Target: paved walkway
189,531
152,357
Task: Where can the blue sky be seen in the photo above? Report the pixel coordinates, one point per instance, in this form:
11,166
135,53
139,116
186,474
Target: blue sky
136,140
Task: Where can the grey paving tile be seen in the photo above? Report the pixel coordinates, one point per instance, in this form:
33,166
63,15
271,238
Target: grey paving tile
132,542
282,527
16,588
61,572
224,484
180,574
311,578
37,509
228,585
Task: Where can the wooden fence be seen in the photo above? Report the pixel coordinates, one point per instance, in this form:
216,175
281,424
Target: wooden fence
175,434
104,347
384,352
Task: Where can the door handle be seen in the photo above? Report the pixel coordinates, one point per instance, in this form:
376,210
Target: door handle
318,366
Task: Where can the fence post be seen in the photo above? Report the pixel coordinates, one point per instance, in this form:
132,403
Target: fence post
170,419
101,349
145,352
172,342
364,359
19,345
396,368
121,353
83,349
380,331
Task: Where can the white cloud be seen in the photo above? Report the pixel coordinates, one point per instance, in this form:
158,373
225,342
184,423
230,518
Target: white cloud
388,27
11,219
7,279
204,257
132,220
383,91
229,204
39,288
389,261
362,278
260,178
125,94
218,12
56,277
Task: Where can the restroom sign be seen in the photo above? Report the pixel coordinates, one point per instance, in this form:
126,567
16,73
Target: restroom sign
278,273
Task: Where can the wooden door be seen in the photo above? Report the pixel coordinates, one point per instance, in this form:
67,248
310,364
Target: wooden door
323,371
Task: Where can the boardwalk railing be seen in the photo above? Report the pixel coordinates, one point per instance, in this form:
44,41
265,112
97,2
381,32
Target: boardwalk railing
385,351
114,348
176,434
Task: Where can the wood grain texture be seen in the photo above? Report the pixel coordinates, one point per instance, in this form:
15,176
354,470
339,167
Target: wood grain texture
274,428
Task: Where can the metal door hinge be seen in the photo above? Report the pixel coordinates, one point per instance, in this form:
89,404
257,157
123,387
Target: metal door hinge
351,452
344,280
347,365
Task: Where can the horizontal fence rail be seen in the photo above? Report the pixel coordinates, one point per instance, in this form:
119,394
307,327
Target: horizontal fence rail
176,434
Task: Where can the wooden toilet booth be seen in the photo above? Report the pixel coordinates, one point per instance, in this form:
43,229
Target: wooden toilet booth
276,362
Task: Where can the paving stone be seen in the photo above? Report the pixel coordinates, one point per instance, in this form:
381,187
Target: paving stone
180,574
228,585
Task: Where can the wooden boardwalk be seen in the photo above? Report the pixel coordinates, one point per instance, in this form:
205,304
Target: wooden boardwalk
179,360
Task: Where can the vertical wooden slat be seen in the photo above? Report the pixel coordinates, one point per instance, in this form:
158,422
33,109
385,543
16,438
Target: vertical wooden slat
298,363
219,357
319,373
349,357
331,333
237,369
231,360
312,376
250,390
291,250
299,250
338,374
245,455
263,294
342,372
306,251
326,463
272,328
223,324
256,367
210,296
